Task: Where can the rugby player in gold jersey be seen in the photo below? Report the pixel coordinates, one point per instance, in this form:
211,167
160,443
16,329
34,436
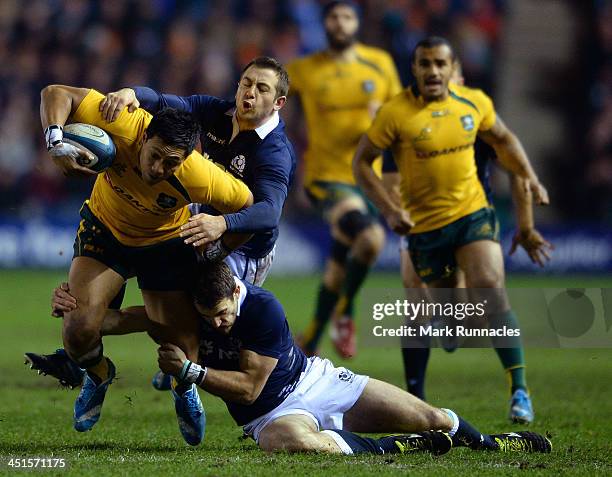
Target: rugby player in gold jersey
340,89
431,130
130,227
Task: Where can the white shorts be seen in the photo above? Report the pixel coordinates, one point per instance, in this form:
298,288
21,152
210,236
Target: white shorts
251,270
323,393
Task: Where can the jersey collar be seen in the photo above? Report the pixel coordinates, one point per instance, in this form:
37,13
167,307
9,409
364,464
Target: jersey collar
243,293
262,131
267,127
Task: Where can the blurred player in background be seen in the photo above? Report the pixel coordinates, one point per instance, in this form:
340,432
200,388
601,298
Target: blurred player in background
431,130
341,88
415,359
130,227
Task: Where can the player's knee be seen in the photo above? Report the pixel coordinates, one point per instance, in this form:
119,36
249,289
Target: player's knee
79,337
486,278
81,327
353,222
371,240
439,420
430,418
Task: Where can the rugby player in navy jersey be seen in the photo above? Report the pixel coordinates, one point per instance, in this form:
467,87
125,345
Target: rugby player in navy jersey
288,402
245,137
527,236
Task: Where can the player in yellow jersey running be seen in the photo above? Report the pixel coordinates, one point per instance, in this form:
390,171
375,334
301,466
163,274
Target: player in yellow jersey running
431,130
130,227
527,236
341,88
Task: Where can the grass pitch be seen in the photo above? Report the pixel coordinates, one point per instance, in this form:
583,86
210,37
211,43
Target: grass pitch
138,433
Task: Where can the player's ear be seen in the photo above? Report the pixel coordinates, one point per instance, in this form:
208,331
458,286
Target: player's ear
279,102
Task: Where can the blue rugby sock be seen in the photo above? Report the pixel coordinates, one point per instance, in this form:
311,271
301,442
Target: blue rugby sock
415,365
464,434
351,443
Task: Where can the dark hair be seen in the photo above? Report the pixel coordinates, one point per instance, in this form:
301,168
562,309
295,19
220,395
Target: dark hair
269,63
328,7
214,283
176,128
432,42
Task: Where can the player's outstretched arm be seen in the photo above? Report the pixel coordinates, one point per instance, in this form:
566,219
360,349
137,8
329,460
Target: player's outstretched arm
152,101
397,218
57,103
243,386
512,156
526,235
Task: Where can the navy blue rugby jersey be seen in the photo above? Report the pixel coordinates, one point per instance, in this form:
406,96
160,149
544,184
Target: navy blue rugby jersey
263,159
261,326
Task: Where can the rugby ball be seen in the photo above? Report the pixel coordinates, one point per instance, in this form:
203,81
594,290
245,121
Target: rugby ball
92,139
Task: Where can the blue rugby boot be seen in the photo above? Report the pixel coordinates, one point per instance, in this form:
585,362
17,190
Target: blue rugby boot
190,414
88,405
162,381
521,410
58,365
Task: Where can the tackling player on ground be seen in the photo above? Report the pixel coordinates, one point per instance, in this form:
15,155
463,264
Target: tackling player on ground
288,402
431,130
340,90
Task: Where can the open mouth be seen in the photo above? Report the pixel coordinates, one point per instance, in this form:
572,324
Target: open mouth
246,105
433,83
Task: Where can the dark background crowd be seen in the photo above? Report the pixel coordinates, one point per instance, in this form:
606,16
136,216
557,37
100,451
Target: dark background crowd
188,47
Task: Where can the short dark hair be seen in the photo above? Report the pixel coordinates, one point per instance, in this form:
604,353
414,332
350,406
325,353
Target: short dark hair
432,42
176,128
269,63
329,6
215,282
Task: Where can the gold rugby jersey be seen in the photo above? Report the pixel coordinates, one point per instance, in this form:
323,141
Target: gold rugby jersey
339,100
433,147
138,214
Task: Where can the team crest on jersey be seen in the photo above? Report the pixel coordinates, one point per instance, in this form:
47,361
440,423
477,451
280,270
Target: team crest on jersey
368,86
467,122
238,163
166,201
346,375
424,135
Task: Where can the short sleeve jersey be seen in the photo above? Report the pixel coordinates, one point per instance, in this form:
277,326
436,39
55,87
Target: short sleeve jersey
339,101
433,146
136,213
